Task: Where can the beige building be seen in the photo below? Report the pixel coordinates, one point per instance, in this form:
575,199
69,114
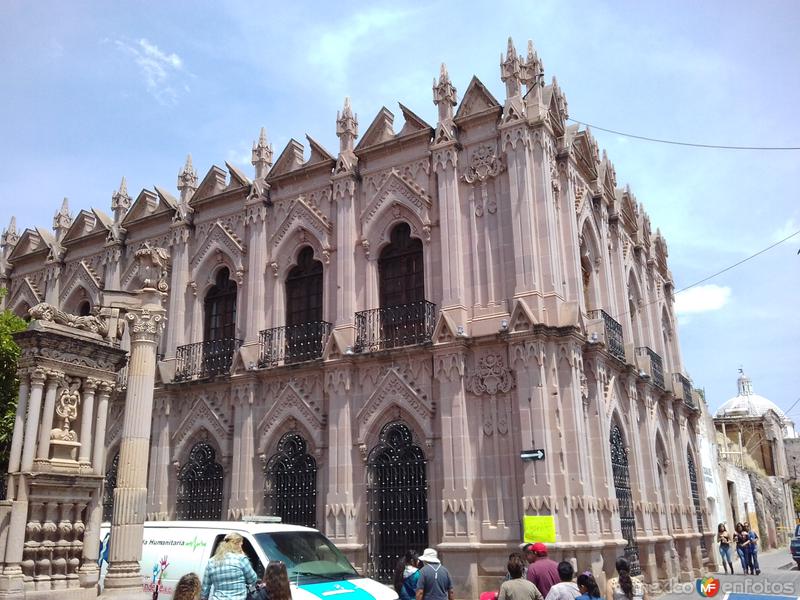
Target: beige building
365,341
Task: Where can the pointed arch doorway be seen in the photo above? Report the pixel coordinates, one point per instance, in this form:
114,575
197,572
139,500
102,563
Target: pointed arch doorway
622,488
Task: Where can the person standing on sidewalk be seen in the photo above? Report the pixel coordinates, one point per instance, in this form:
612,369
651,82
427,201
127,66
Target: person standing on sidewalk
566,589
752,548
434,580
543,571
517,587
742,540
724,540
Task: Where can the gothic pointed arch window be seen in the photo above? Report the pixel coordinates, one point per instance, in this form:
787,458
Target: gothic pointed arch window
696,499
84,309
397,496
622,488
220,308
305,330
290,482
401,271
200,486
109,485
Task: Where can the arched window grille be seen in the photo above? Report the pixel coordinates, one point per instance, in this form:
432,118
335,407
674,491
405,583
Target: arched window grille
109,485
696,499
397,493
290,486
200,486
622,487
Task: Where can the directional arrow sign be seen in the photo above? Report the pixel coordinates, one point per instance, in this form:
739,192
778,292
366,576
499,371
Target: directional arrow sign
537,454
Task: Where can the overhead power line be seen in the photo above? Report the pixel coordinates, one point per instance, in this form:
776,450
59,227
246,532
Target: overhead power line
677,143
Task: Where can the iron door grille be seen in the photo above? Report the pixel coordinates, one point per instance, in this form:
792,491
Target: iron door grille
200,484
622,487
109,485
290,486
397,493
696,500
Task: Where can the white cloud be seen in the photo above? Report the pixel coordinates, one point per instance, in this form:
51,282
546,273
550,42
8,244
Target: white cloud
789,227
702,298
157,67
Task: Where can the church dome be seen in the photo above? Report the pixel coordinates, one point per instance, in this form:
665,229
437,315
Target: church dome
746,403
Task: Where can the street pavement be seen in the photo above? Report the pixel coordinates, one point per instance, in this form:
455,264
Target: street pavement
779,580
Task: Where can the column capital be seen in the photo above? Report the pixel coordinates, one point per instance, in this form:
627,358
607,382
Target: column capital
106,387
90,384
54,376
146,324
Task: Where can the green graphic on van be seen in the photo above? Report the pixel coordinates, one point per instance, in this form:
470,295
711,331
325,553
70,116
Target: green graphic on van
195,544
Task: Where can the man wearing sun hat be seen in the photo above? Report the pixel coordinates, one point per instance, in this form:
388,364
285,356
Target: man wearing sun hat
434,579
543,571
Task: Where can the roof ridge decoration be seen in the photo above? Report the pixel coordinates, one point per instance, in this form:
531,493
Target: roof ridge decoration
187,181
318,153
147,204
87,223
290,159
261,157
410,194
477,100
120,201
380,130
214,182
445,98
62,220
238,176
413,122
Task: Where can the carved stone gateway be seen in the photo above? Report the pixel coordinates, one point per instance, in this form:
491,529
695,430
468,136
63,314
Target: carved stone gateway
51,520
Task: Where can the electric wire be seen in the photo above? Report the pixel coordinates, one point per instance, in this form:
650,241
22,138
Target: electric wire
677,143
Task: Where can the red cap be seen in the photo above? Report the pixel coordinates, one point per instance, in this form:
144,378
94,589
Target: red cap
539,548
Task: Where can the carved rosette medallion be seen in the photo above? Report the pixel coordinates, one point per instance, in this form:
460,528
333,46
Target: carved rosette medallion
492,377
484,165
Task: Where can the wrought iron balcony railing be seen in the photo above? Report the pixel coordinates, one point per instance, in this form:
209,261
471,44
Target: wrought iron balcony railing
292,344
656,365
395,326
614,341
684,388
205,359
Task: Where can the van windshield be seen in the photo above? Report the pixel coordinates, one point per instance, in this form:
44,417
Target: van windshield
308,555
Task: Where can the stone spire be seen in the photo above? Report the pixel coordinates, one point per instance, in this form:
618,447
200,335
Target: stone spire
187,180
120,202
346,128
62,220
532,69
744,384
10,237
510,70
444,95
262,155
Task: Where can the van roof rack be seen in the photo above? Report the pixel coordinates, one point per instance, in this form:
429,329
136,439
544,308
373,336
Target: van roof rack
261,519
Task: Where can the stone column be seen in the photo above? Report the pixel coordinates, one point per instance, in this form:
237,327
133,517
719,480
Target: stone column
176,332
99,449
43,449
19,427
257,242
87,402
130,496
32,424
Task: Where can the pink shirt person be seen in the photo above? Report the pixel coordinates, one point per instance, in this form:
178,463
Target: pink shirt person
543,572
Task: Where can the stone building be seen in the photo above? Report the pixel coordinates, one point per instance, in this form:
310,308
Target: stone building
364,341
752,434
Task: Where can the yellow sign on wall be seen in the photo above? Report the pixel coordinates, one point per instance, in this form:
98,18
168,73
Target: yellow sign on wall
538,528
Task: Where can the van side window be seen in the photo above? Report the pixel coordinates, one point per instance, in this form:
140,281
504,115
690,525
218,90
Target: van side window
249,552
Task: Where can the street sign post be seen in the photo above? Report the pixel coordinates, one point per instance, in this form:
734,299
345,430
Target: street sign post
536,454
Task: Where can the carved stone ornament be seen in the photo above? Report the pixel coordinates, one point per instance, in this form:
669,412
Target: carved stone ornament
153,266
49,313
67,410
492,377
484,165
145,324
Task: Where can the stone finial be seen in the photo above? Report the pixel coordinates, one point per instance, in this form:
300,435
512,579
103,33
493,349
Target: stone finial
62,220
444,95
532,69
10,237
187,180
346,127
120,202
510,70
262,155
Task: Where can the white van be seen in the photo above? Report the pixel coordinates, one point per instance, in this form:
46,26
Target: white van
317,569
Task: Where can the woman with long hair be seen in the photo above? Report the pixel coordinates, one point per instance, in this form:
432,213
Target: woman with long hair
229,572
406,575
624,586
724,541
742,542
588,587
276,581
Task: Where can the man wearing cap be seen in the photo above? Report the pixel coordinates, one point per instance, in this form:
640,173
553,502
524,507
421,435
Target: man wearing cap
542,571
434,580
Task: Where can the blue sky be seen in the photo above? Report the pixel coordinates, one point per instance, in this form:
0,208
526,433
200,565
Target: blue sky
94,91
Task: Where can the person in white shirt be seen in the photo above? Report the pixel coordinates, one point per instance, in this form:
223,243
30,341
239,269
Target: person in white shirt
566,589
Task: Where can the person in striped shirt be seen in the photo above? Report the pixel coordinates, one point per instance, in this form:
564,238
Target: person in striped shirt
229,572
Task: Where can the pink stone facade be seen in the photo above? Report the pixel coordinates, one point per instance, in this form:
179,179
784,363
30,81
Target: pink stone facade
538,313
